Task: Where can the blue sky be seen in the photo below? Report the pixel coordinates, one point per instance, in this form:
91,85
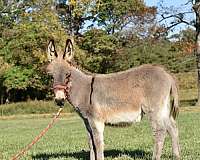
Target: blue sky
175,4
166,2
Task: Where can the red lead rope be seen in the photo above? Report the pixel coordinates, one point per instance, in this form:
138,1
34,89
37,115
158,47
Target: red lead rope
22,152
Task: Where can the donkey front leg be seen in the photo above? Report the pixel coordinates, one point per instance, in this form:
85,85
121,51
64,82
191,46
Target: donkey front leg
95,131
92,155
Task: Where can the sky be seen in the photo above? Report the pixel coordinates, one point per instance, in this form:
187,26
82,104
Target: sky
181,4
166,2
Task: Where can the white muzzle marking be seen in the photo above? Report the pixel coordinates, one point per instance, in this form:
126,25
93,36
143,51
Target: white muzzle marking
59,94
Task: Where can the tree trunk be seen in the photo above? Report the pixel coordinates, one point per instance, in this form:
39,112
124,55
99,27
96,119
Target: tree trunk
1,99
196,8
198,67
1,94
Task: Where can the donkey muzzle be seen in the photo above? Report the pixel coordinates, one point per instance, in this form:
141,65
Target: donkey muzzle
60,94
60,102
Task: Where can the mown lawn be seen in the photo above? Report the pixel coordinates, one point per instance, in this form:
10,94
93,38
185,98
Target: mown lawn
67,139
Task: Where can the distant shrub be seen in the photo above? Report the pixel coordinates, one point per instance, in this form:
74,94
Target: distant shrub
187,80
31,107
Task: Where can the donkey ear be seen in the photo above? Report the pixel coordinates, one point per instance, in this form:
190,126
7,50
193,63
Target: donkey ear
51,51
69,50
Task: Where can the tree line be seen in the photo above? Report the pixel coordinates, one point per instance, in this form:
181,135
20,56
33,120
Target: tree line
110,36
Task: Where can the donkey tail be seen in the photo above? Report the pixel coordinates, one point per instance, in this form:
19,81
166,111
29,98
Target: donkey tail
174,100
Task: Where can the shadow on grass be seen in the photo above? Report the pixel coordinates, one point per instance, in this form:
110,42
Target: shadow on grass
188,102
85,154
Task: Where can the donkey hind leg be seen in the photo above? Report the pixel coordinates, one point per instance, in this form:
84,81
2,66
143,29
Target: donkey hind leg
95,130
159,133
173,132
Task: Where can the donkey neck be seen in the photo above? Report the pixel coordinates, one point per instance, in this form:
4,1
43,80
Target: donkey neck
81,88
79,77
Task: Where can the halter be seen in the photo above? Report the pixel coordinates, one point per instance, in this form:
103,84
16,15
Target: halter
66,87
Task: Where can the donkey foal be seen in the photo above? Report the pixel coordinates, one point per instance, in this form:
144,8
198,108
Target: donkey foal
116,98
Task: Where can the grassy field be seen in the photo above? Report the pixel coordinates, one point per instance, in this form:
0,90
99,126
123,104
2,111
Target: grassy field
67,139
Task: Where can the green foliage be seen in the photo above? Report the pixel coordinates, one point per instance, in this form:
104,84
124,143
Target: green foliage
6,16
16,78
158,52
115,15
111,15
20,79
75,14
3,68
23,46
101,49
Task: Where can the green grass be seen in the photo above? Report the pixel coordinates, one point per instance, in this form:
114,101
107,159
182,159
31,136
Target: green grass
67,140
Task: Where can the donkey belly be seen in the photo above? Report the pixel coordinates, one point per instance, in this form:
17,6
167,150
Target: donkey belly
124,117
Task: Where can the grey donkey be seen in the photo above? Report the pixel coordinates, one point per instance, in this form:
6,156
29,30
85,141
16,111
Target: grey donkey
121,97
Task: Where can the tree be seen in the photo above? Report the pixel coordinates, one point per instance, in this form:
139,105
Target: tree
101,51
75,14
196,8
112,16
185,41
23,47
3,68
116,16
180,17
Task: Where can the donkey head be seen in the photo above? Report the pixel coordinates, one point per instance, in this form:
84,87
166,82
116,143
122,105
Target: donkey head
59,68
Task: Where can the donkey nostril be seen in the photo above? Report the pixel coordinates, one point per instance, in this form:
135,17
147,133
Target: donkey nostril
60,101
